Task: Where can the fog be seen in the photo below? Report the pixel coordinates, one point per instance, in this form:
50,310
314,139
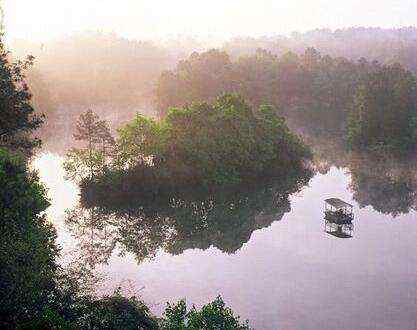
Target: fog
144,19
110,55
186,148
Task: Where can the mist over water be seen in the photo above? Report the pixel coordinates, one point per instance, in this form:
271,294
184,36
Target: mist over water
286,273
262,246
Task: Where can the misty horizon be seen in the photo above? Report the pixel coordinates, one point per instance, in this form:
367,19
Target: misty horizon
44,20
155,155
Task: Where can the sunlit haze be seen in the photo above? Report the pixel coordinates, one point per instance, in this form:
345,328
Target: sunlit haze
44,19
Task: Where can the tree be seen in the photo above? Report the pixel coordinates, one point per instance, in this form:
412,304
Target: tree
94,131
116,312
212,316
228,142
385,111
202,77
18,119
311,90
99,144
224,142
27,246
141,140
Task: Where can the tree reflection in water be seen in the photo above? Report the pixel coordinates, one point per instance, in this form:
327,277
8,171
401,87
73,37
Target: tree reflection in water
197,219
385,182
389,186
177,222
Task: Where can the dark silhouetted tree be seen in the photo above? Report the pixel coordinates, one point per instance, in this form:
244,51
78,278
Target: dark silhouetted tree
18,119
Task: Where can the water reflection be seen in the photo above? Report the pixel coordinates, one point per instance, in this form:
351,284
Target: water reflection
226,219
94,233
390,187
178,222
293,268
338,218
386,183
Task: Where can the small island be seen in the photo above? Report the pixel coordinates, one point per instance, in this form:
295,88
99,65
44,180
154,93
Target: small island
213,145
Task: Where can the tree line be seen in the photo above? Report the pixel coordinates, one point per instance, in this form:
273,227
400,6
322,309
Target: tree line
104,71
368,104
385,45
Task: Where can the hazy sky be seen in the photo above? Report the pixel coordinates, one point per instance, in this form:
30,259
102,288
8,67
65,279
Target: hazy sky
43,19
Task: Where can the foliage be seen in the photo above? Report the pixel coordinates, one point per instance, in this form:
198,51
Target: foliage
320,86
385,45
368,104
81,163
384,112
201,77
17,115
99,143
140,141
116,312
222,143
212,316
104,70
28,250
34,292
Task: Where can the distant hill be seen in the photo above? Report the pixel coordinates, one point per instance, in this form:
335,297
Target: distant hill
383,45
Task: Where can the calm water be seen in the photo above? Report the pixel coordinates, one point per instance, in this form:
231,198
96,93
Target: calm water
283,272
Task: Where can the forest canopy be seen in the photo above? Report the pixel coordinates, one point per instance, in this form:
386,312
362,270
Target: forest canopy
225,142
318,84
384,113
364,103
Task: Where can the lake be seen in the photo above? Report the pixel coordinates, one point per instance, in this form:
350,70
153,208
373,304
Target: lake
280,273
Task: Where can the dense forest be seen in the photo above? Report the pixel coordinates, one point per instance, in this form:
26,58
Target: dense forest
370,105
202,137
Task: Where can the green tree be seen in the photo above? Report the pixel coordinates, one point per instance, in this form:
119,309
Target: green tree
116,312
98,147
212,316
312,91
140,141
202,77
18,119
384,111
225,142
27,247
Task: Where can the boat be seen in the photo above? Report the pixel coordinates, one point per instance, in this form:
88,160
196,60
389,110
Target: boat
338,216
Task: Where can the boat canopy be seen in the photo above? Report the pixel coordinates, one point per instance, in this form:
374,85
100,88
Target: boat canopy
338,203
